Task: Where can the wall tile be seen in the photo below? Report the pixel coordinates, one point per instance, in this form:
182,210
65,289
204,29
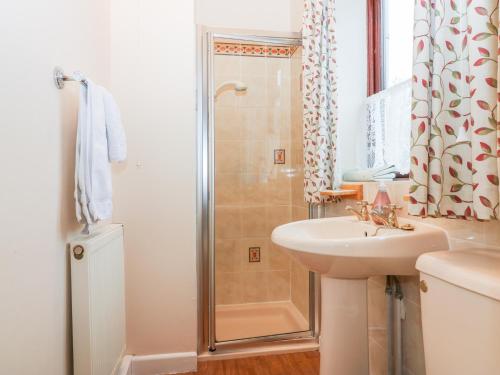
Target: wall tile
297,184
278,94
254,189
279,190
377,309
227,66
378,358
254,287
228,157
278,283
279,123
299,213
257,93
227,256
227,120
300,287
277,215
254,67
410,288
254,157
254,123
413,354
276,67
229,289
253,221
278,259
227,222
228,189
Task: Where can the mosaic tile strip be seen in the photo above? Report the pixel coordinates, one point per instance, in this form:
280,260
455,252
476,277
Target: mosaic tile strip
258,50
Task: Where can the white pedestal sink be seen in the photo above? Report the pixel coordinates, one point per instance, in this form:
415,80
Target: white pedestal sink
346,253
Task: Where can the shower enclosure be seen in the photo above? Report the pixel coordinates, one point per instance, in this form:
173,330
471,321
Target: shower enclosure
250,181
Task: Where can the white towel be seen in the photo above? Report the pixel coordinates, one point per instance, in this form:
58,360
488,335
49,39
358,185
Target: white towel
386,172
117,145
100,140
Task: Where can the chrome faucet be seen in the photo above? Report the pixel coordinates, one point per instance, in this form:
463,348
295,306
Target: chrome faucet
363,214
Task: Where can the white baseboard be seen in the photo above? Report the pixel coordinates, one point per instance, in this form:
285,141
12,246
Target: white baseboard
159,364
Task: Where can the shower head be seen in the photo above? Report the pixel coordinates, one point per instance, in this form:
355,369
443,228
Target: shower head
240,86
237,86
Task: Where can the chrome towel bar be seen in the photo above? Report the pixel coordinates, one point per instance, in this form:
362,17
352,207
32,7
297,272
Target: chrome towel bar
60,78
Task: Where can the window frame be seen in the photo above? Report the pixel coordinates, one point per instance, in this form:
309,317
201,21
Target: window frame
375,50
376,80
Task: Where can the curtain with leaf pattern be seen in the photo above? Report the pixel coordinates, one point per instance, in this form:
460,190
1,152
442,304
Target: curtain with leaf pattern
455,129
319,97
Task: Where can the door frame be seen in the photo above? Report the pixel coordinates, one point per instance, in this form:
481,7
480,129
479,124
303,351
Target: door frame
205,202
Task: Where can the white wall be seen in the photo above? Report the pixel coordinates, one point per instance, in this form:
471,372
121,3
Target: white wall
352,79
296,14
274,15
37,137
153,79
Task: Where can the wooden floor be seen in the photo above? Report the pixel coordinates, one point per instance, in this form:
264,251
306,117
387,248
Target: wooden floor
284,364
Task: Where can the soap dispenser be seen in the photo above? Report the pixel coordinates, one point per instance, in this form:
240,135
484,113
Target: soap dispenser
381,202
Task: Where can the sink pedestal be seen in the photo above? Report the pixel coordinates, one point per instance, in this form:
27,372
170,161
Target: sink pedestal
344,327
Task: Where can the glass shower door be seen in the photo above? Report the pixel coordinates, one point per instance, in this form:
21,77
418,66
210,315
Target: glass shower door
256,139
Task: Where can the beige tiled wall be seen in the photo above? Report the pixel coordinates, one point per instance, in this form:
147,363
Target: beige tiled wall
254,195
463,234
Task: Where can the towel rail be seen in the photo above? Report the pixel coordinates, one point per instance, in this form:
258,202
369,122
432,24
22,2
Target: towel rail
60,78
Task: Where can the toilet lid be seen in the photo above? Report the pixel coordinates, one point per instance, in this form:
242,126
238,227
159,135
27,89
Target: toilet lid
476,269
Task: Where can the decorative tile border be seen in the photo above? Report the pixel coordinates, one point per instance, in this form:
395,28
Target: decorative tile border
258,50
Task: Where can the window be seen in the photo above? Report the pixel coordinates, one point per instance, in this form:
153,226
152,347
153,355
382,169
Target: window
397,41
390,43
374,14
390,49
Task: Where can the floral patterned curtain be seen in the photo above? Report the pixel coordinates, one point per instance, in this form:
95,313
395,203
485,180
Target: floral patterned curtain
455,132
319,97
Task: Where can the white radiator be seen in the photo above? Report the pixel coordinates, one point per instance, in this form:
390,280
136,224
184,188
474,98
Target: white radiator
98,301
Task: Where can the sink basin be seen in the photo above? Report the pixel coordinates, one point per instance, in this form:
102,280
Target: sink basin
346,252
343,247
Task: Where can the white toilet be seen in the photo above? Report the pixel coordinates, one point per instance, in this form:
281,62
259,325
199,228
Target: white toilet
460,296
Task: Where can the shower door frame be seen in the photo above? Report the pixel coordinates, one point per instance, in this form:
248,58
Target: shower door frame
206,203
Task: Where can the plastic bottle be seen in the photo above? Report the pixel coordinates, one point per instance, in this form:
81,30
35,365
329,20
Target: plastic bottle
381,200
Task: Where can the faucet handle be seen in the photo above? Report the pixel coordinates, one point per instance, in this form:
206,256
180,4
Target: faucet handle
364,212
394,207
392,218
